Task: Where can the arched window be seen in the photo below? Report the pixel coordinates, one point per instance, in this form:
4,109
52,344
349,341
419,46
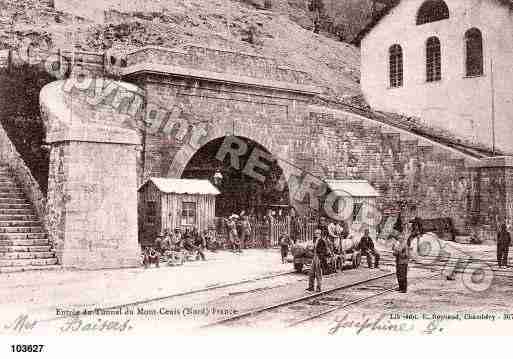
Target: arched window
474,52
431,11
396,65
433,60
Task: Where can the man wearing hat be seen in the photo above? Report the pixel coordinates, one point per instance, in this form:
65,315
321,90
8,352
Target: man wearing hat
320,251
159,243
401,252
176,247
246,231
233,236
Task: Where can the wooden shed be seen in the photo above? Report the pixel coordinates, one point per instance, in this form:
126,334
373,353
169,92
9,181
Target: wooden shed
169,203
363,201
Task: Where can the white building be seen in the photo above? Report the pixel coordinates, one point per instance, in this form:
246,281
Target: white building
447,62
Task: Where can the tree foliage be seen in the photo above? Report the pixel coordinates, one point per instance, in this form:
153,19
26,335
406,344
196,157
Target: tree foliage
21,118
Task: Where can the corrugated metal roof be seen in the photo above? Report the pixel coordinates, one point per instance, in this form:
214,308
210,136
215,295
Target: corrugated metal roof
356,188
182,186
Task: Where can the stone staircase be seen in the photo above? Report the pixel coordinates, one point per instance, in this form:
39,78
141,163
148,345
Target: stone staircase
24,244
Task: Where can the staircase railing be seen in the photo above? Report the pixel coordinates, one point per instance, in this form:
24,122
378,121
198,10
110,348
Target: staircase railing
10,156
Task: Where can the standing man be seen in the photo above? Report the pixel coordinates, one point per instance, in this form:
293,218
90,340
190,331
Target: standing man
294,227
503,242
233,236
368,250
246,231
319,258
323,226
332,230
284,247
401,253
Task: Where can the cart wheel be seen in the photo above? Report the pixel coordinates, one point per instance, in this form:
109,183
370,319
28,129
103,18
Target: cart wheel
298,267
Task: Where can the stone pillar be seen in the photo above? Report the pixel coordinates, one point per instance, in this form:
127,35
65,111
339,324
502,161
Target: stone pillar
92,185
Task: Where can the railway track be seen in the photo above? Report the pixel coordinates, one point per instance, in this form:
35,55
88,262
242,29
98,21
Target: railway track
250,315
448,263
291,313
187,293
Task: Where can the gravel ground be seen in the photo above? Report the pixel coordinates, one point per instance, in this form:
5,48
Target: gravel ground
39,294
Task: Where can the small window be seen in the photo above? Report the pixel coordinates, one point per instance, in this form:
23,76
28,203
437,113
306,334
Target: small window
396,65
357,207
433,60
474,52
431,11
188,213
151,212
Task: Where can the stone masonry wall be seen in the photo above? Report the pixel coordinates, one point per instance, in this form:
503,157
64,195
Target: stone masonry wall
427,179
91,207
431,182
220,61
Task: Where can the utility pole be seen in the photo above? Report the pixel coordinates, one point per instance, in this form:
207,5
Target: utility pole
493,105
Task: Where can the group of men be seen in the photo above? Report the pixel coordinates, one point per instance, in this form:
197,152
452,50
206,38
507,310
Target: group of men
239,232
174,246
325,234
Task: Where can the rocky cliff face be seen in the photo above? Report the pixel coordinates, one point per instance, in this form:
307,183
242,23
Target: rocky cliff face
282,31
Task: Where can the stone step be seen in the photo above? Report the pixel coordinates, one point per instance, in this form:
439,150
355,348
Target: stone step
27,262
13,200
19,223
9,184
23,236
18,217
29,248
26,255
35,242
15,195
15,206
33,229
29,268
13,190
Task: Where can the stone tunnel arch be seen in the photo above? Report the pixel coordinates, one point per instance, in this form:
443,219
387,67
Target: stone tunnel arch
244,184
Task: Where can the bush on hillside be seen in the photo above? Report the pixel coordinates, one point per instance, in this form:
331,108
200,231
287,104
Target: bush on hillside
21,118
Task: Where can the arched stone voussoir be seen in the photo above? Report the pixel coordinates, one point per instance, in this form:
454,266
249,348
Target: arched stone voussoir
91,110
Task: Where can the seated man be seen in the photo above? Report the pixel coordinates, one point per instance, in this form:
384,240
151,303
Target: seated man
175,254
368,250
159,243
165,245
150,255
197,238
188,244
210,241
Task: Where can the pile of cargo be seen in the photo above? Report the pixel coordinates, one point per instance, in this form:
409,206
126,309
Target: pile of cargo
305,249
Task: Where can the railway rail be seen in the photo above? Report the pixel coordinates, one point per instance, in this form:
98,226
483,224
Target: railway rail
188,293
252,313
320,304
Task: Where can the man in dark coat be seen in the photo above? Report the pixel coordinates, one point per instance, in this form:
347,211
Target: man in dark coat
323,226
503,242
368,250
320,252
401,252
295,231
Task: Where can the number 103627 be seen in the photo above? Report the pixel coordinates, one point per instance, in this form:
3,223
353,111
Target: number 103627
27,348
